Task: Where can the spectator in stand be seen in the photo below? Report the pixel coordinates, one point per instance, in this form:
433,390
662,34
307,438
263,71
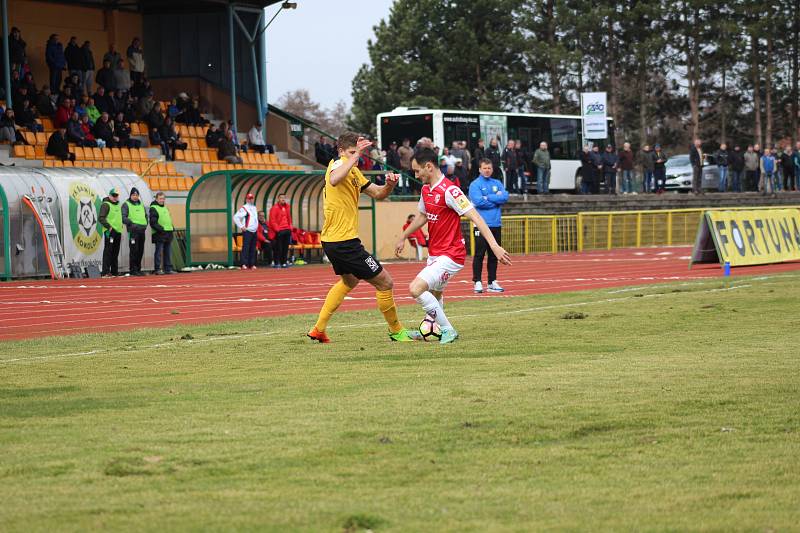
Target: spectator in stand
17,54
74,130
26,117
524,162
392,155
44,102
796,161
57,145
610,167
27,82
659,168
457,151
122,131
227,149
112,56
105,76
321,154
461,179
136,59
697,159
88,136
155,119
122,78
134,218
213,136
406,153
19,97
102,100
751,166
92,112
626,167
510,165
82,105
255,139
263,237
493,155
56,62
768,170
759,152
172,138
477,154
736,159
541,160
280,224
787,166
723,161
192,115
63,113
110,219
161,223
88,65
587,170
104,131
144,105
73,82
647,164
246,220
75,62
487,195
8,128
597,168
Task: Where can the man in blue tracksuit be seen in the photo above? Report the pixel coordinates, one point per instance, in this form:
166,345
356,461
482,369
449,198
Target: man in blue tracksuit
487,195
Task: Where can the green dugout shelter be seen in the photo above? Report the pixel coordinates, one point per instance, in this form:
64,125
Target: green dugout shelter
216,196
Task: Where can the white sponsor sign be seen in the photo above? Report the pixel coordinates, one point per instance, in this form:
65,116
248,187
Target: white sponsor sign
594,115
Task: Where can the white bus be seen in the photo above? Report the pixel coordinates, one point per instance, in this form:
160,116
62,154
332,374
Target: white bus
562,133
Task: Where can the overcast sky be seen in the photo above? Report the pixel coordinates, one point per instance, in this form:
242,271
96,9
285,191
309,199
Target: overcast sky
303,47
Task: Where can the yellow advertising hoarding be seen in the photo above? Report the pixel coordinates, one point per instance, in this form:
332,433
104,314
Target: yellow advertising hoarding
748,237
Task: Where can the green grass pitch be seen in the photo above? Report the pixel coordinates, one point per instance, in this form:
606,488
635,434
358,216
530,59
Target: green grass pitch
666,408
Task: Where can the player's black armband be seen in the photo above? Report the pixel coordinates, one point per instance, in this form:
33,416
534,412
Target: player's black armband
364,187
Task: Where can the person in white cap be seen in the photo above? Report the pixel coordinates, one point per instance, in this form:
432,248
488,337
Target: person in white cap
246,219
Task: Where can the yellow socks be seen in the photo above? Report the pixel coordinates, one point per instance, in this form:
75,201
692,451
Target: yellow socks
332,302
389,310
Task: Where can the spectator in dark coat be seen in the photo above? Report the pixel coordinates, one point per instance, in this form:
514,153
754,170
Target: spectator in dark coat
647,164
122,131
587,170
74,131
56,62
626,166
610,166
102,100
493,155
8,128
103,130
16,50
44,102
477,154
155,119
57,145
76,63
392,155
112,56
88,64
597,163
787,166
227,149
26,117
659,168
213,136
510,165
697,159
172,138
736,159
105,77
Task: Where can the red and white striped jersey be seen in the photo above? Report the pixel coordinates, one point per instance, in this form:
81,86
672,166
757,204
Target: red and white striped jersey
443,204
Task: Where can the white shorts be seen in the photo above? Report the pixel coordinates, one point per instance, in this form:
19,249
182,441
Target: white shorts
439,271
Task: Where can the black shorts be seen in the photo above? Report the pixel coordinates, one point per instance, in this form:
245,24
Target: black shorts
350,257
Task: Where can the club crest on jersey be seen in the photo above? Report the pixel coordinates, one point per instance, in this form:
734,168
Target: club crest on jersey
437,198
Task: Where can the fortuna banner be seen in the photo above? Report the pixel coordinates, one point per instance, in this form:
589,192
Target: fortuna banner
744,237
594,115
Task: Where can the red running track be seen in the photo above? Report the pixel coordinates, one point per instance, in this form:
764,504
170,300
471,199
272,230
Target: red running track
30,309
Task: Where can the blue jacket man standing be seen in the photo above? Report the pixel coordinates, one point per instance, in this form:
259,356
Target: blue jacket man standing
487,195
56,62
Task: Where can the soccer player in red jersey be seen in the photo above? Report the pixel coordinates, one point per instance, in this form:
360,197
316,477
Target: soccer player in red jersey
441,206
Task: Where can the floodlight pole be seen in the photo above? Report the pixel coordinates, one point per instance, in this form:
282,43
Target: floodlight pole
262,67
232,63
6,55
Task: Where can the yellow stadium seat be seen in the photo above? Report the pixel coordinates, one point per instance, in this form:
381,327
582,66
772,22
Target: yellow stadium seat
205,156
201,143
97,154
142,153
58,164
163,183
19,150
38,151
180,155
29,153
68,163
79,153
188,182
29,137
116,154
172,184
48,163
47,123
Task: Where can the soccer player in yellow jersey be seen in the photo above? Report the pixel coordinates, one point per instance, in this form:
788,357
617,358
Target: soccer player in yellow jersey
344,182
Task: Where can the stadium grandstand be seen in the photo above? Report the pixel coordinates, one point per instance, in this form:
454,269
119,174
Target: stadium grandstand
225,75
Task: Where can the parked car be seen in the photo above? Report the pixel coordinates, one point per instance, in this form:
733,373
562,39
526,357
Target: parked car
679,174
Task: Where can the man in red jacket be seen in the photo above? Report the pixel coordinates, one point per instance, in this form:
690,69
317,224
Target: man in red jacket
280,223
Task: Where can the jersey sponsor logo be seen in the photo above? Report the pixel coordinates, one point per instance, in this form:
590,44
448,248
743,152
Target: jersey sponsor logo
354,181
372,264
462,202
432,217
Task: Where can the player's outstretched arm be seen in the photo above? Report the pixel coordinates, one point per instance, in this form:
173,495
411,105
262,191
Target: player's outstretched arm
498,250
420,219
379,192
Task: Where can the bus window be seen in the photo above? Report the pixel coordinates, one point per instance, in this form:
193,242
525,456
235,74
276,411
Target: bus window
461,128
564,138
412,127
